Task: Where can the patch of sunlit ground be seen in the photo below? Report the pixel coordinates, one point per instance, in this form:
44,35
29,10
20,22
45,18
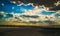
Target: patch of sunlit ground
22,24
26,23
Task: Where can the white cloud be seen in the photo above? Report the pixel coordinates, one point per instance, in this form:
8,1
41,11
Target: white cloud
20,4
12,8
25,4
2,4
13,2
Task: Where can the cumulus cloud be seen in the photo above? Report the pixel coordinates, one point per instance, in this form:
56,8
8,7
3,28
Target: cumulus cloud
37,10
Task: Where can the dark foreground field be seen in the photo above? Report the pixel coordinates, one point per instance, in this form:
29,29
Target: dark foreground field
29,31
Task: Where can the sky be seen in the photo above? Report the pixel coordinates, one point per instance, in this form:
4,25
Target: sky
9,7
